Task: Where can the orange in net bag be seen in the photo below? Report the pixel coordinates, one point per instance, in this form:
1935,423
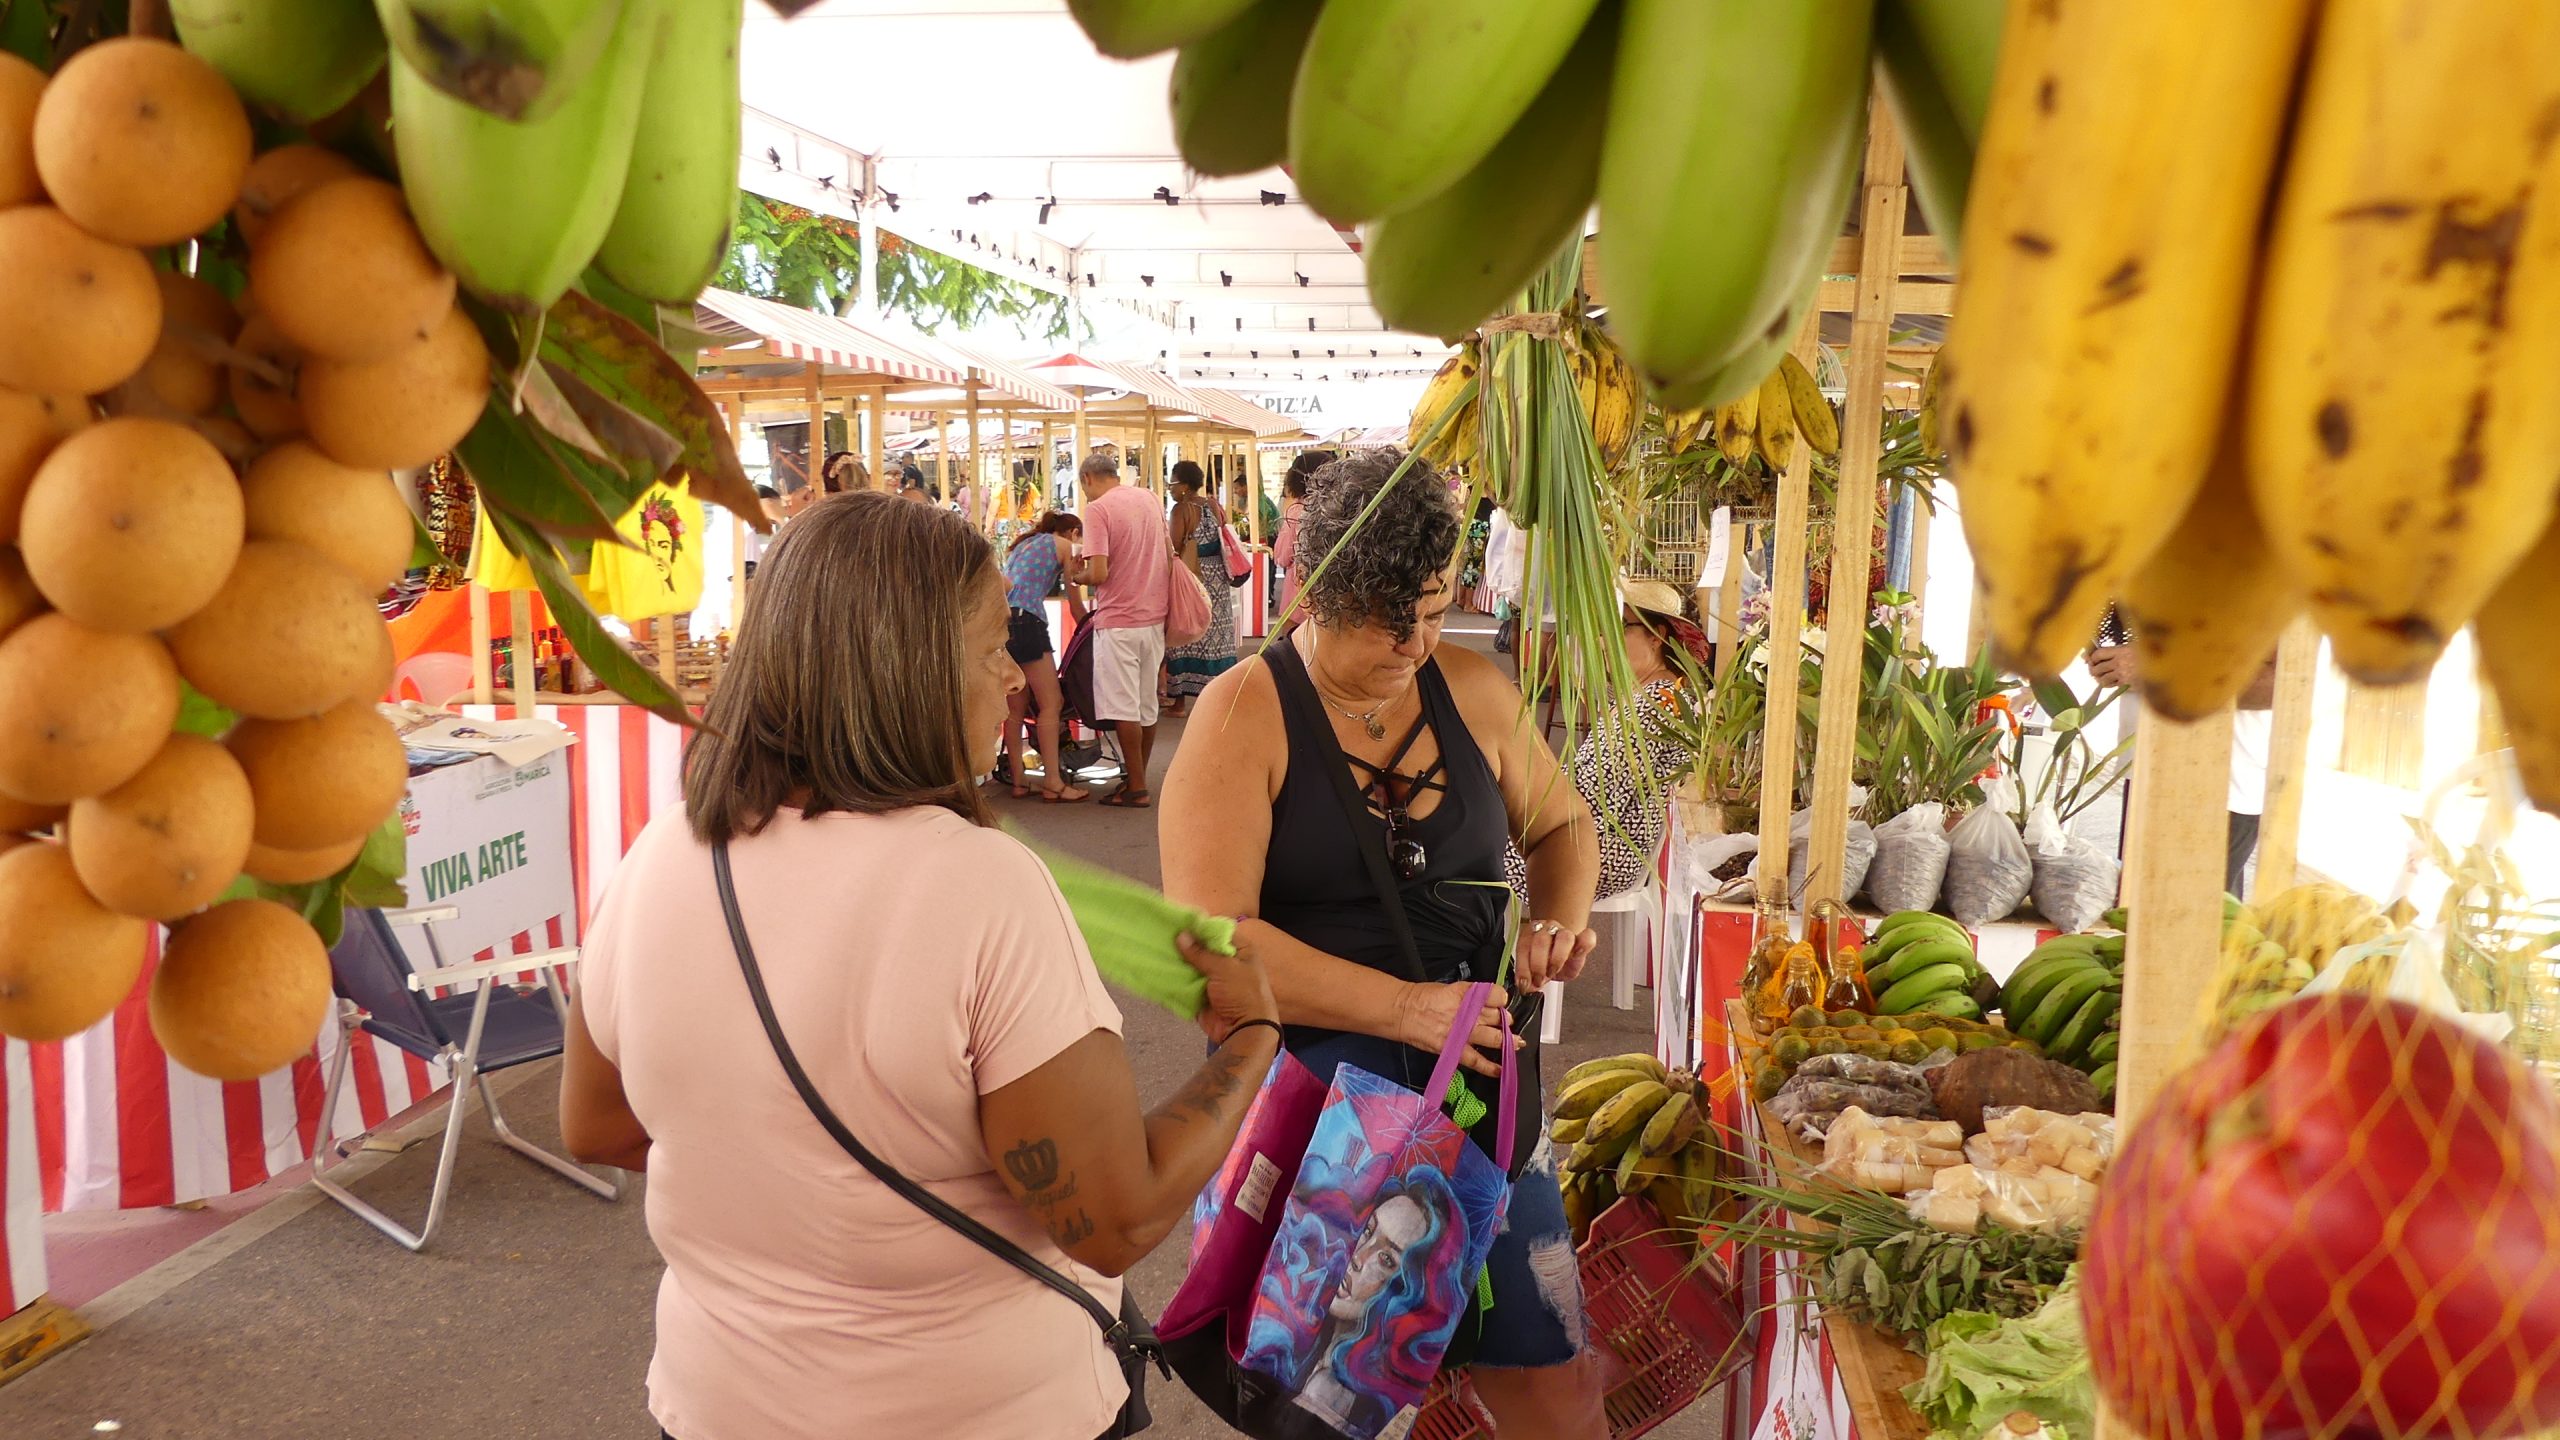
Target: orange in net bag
2343,1221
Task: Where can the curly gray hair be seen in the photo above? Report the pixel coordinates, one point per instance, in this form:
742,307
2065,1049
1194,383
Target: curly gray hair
1403,545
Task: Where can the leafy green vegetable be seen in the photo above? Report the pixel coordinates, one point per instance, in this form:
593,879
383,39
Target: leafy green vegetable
1131,930
1983,1368
198,715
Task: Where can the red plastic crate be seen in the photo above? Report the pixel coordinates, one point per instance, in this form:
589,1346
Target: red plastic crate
1663,1321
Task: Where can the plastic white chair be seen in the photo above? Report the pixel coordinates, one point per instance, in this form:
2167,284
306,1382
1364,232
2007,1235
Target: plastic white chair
1632,908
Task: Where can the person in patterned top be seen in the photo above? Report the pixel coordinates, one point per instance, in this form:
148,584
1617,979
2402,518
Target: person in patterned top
1667,652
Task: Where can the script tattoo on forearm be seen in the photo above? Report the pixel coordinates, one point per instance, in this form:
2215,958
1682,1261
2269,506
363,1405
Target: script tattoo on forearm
1208,1091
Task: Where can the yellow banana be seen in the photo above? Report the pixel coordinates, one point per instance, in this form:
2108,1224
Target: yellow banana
1582,1099
1738,425
1452,389
1624,1114
1611,395
2403,446
1933,429
2208,606
1671,1125
2514,633
1680,428
1815,419
1777,421
2114,219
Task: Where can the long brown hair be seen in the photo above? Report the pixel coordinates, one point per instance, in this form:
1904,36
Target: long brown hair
844,689
1056,522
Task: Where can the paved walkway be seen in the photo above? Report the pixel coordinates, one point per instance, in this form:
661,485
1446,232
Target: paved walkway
531,1315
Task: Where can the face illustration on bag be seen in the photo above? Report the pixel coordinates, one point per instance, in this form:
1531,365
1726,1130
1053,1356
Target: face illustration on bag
1394,1228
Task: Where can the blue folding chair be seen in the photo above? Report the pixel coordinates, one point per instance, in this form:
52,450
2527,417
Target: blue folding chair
484,1025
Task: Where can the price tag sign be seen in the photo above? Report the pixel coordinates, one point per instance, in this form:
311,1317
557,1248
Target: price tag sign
1719,548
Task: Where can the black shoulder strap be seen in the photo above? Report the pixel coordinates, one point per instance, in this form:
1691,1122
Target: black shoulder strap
1298,690
1114,1330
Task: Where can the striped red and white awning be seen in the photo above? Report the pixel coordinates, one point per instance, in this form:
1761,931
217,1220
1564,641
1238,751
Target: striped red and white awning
846,347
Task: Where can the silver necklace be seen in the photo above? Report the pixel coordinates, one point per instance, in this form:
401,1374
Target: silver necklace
1368,721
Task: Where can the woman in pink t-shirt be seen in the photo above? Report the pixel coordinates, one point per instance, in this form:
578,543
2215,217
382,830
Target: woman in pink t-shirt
929,978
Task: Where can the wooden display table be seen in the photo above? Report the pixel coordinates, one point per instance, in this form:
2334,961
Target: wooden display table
1872,1365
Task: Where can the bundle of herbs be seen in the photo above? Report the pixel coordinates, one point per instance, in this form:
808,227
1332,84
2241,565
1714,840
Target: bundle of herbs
1880,1265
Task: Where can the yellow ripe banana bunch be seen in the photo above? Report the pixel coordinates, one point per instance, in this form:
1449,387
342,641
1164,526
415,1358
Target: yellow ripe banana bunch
1449,403
1775,429
2121,182
2256,973
1816,421
2315,921
1738,427
2209,605
1630,1127
1610,393
2403,445
1681,428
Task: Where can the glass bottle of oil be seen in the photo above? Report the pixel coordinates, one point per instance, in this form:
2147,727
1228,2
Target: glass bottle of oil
1844,963
1800,981
1761,985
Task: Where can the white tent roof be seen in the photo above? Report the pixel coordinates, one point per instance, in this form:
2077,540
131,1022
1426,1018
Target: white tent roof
993,131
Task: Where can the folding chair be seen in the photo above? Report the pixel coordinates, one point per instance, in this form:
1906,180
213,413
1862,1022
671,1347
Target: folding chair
482,1026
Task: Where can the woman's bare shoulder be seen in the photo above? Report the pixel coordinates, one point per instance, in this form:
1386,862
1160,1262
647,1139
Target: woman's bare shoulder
1239,711
1475,679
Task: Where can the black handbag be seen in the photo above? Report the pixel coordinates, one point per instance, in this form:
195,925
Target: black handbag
1130,1334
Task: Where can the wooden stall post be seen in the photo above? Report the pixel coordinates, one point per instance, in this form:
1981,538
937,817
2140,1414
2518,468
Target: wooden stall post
1835,750
1786,649
2180,832
1729,605
1083,435
1151,467
483,684
2288,759
875,440
664,628
977,455
520,649
1922,509
815,376
942,471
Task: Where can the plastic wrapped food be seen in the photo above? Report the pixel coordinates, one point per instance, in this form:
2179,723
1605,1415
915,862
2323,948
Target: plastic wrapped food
2073,888
1910,867
1988,870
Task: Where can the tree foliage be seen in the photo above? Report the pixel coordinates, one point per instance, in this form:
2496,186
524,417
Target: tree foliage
799,257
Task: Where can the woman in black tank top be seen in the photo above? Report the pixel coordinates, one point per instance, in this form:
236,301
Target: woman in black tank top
1357,760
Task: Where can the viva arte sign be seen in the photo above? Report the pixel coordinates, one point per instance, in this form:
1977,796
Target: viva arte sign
491,840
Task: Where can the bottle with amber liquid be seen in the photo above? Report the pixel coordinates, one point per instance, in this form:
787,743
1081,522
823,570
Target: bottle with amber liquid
1800,980
1760,983
1843,962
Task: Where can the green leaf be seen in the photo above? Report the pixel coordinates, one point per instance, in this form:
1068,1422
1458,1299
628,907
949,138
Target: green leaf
605,291
423,554
617,668
623,362
198,715
2054,697
26,31
519,475
643,445
374,881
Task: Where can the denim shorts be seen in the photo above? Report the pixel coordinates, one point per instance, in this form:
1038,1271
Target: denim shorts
1536,1319
1026,636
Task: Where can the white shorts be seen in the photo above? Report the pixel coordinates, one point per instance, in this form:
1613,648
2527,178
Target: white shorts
1125,662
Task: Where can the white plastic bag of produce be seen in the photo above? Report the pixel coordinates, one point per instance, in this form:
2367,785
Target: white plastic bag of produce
2075,886
1858,851
1911,859
1988,869
2044,833
1711,869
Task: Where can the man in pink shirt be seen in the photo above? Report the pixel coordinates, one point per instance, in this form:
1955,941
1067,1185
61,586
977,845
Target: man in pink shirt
1129,563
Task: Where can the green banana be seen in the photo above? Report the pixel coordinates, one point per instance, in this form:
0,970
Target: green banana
1580,1099
2115,919
2102,1051
1936,58
1903,919
1885,944
671,230
1710,223
1906,993
517,210
302,59
1396,99
1132,29
2104,1078
1932,952
2095,1013
1954,1004
1761,354
1442,266
2061,1003
1230,91
516,59
2110,949
2032,982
